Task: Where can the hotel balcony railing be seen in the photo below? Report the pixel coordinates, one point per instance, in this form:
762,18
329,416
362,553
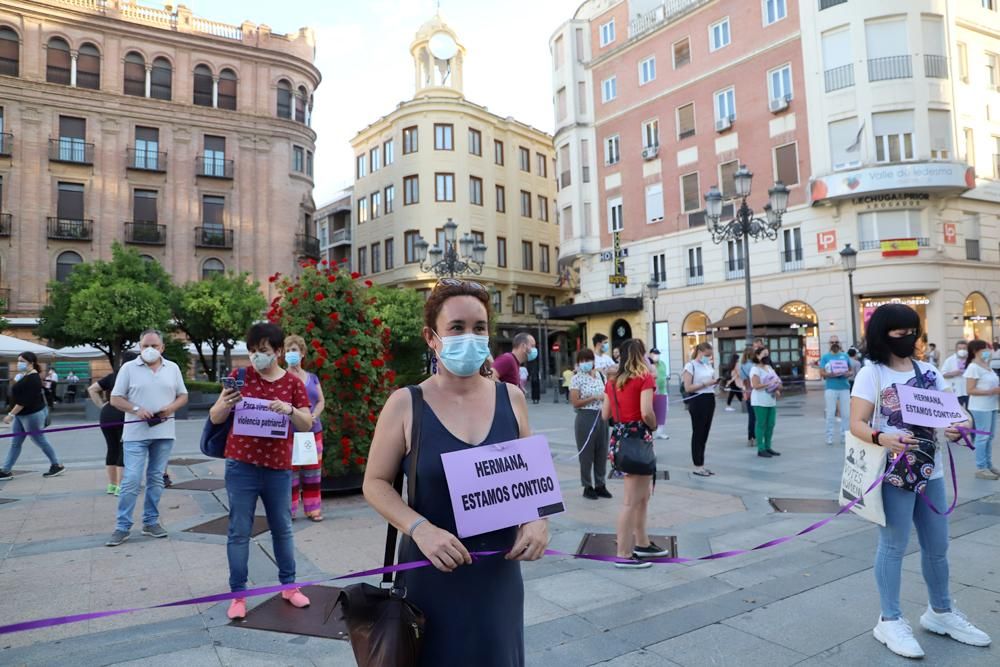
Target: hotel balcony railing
213,237
922,242
71,150
696,275
6,224
145,233
791,260
339,236
826,4
6,144
734,269
146,160
839,77
307,246
667,12
214,167
935,67
891,67
62,229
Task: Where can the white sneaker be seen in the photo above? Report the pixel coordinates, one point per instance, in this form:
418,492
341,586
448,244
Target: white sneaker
955,625
730,408
898,637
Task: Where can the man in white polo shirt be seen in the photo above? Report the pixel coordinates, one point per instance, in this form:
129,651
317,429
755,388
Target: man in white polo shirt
149,390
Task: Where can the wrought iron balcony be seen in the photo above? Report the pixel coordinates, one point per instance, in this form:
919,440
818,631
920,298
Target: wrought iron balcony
734,269
839,77
696,275
791,260
63,229
892,67
6,144
6,224
307,246
74,151
145,233
212,167
935,67
213,237
146,160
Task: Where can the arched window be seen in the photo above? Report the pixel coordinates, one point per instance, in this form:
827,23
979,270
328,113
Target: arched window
300,104
284,99
694,330
10,52
88,67
65,264
58,60
149,259
735,310
227,89
804,311
161,79
978,318
203,86
212,267
135,74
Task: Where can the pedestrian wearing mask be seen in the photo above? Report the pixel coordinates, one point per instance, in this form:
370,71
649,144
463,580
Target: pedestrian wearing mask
953,369
983,387
509,366
112,426
892,334
586,393
764,398
307,479
746,365
28,416
602,355
700,378
660,370
835,369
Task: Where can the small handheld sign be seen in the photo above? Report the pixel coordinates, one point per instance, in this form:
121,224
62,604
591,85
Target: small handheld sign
502,485
929,407
254,418
837,366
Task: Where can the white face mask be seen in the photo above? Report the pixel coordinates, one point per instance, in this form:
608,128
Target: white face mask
150,355
261,361
962,354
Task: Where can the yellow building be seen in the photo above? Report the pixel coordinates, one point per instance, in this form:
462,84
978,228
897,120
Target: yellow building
438,158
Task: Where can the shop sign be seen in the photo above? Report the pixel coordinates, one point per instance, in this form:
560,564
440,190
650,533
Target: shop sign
883,200
940,177
618,280
827,241
904,300
950,233
608,254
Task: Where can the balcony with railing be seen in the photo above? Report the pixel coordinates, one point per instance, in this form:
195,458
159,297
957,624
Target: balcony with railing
73,151
735,269
839,78
826,4
62,229
996,165
6,144
791,260
4,299
214,167
891,67
307,246
145,233
935,67
213,237
6,224
340,236
668,11
142,159
922,242
696,275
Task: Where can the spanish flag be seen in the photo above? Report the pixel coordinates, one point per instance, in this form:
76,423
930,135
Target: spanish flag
899,247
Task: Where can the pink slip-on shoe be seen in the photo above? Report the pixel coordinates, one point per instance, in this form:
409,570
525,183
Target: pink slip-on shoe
237,609
295,597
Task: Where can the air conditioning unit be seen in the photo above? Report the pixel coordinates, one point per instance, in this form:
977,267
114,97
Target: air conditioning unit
650,152
723,124
779,104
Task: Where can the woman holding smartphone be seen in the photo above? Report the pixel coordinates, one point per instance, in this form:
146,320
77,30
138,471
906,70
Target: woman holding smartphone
699,379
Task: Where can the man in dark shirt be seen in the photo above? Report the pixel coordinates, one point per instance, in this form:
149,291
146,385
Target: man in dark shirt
508,365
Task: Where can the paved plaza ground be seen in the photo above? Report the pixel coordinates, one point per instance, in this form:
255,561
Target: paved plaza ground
808,602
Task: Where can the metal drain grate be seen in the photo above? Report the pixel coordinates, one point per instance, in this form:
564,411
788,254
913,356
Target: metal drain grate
605,544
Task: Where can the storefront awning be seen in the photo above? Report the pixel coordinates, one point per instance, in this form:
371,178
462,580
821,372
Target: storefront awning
618,305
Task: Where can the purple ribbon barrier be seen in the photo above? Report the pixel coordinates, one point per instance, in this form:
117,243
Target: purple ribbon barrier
81,427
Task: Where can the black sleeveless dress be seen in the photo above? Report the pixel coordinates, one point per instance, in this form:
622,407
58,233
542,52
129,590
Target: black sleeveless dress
475,615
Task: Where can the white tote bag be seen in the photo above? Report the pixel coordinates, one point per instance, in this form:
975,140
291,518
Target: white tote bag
864,463
304,449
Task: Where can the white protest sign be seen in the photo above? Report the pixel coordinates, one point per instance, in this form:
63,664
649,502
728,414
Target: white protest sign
254,417
929,407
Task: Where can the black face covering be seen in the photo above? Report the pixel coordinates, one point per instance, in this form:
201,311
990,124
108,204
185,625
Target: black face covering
902,346
835,348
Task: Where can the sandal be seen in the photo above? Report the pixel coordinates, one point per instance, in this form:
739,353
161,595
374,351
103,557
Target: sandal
702,473
315,518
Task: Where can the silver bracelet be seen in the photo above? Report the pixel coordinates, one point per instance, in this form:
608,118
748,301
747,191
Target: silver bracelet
413,526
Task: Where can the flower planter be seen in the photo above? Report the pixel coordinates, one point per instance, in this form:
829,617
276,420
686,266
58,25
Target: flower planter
343,484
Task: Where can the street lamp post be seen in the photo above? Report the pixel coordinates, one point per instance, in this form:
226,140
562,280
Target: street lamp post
458,256
745,226
653,289
542,313
849,259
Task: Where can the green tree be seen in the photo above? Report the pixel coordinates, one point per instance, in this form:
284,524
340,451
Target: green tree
108,304
402,311
217,312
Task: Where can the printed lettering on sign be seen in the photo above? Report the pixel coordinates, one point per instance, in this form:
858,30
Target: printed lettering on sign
253,417
929,407
826,241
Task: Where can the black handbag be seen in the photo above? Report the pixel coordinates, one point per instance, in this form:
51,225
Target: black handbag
386,630
634,454
912,472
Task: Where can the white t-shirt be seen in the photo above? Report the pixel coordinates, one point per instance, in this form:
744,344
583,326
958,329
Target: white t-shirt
986,379
152,391
700,374
762,397
603,362
889,414
950,365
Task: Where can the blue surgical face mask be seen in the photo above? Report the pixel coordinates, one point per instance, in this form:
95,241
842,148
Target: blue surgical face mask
532,354
464,355
293,358
605,347
985,354
586,366
22,366
707,361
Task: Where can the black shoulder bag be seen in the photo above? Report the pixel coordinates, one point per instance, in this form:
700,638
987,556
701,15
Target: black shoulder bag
912,473
386,630
634,455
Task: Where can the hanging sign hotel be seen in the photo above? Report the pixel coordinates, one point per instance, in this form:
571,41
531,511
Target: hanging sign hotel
922,177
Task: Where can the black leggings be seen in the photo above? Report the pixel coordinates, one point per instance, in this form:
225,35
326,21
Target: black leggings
702,409
116,454
734,391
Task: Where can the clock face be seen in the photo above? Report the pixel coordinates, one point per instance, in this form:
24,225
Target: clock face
442,46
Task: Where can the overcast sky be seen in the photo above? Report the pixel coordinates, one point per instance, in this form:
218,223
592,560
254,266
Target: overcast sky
363,54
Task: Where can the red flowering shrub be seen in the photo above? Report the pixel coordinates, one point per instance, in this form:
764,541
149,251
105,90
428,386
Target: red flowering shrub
321,306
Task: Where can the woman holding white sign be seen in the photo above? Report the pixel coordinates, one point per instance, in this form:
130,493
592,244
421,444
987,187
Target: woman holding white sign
307,479
983,386
259,458
892,334
474,610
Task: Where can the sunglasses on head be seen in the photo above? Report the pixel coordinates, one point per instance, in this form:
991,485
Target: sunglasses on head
455,282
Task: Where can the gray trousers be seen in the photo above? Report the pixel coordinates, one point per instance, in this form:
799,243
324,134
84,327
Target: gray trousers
595,456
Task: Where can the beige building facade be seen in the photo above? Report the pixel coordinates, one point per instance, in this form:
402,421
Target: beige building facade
177,135
440,157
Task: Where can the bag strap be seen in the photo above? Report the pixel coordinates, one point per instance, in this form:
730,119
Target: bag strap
920,376
614,394
417,403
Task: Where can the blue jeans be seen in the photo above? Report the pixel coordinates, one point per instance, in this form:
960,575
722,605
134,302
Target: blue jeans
985,421
136,453
245,483
26,424
833,398
903,510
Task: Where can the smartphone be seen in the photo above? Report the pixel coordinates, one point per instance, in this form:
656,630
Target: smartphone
231,383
